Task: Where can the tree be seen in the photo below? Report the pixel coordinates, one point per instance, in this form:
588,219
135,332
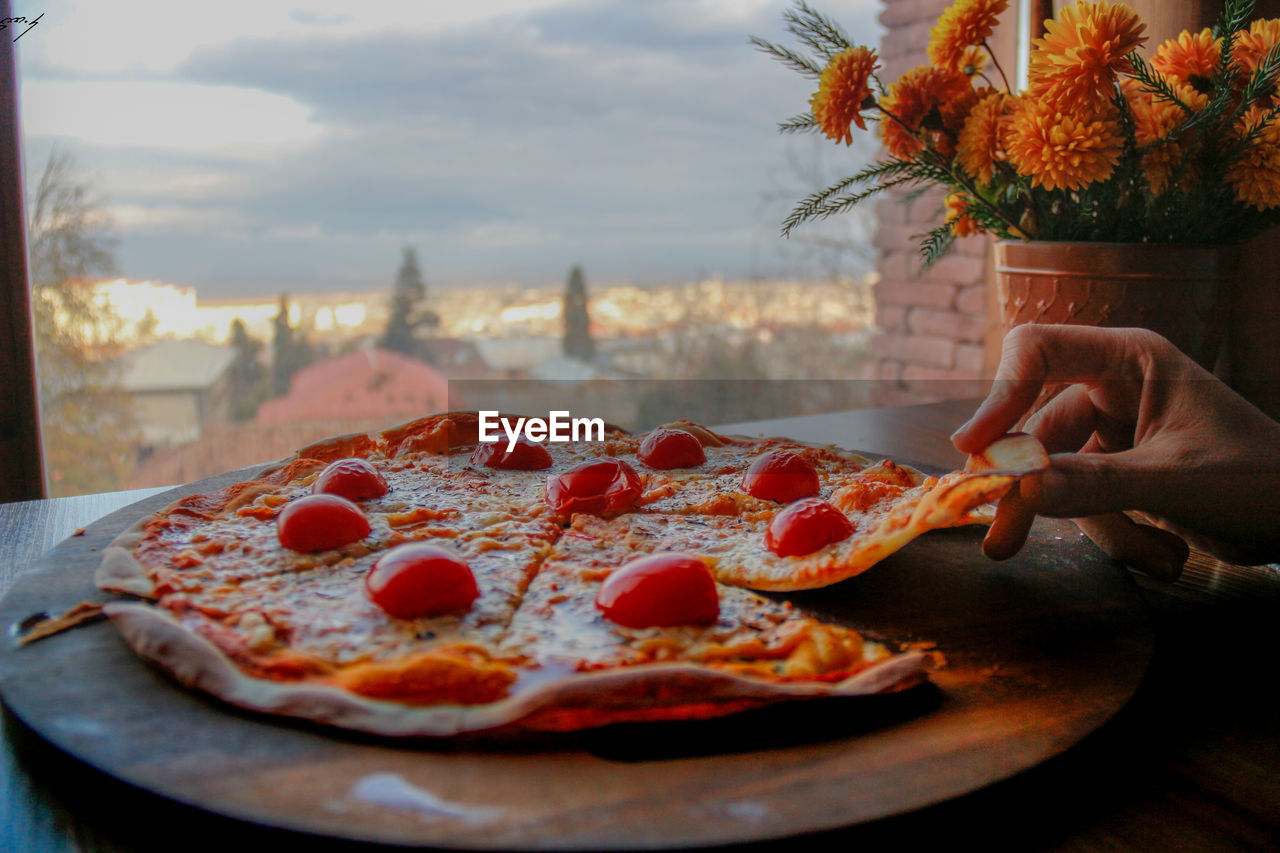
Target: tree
406,312
290,351
577,341
88,427
247,379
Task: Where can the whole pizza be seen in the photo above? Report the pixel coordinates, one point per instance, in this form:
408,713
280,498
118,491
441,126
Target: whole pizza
422,582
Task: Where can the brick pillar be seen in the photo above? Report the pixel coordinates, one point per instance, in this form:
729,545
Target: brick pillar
932,326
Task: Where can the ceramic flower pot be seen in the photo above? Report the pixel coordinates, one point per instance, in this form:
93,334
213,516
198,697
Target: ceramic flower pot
1251,349
1181,291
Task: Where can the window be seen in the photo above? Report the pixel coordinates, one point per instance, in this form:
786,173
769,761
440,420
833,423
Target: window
259,225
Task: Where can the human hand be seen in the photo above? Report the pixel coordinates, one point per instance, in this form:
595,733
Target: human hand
1135,425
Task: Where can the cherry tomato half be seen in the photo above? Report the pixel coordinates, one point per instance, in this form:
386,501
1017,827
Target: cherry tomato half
320,522
660,589
805,526
604,486
781,475
526,456
353,479
419,579
666,448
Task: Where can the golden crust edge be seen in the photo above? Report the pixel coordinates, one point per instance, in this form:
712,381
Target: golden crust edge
195,662
119,570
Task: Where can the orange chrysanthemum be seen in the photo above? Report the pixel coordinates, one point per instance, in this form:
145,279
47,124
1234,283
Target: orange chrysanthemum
1191,58
973,61
978,147
962,224
843,92
1252,45
956,111
965,24
1153,120
914,106
1075,65
1061,150
1256,175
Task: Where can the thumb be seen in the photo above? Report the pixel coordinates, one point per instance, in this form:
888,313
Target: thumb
1083,484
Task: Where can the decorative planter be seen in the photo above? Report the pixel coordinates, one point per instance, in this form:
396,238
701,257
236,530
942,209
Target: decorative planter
1183,292
1251,353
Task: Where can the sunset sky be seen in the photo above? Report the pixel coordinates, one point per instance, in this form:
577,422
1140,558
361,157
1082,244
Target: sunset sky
252,145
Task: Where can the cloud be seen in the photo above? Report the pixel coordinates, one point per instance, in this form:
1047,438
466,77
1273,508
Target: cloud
635,138
228,120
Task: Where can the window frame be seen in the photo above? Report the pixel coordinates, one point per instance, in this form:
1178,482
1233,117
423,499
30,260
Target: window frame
21,454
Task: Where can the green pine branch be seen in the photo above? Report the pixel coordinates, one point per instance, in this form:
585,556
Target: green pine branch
834,200
788,57
798,124
1264,79
816,30
1235,14
935,244
1155,83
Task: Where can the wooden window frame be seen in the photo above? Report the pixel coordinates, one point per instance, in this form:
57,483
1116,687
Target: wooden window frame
21,456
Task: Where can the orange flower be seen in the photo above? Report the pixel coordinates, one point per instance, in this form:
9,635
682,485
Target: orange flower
973,61
1061,150
843,92
1256,175
914,107
1075,65
1153,120
1191,58
962,224
965,24
1252,46
979,147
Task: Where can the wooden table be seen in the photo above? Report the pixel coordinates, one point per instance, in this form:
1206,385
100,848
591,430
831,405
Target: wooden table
1192,763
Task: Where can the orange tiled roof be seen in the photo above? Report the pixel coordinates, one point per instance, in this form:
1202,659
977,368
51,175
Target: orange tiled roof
372,383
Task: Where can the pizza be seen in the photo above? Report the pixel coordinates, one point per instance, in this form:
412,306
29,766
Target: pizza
420,582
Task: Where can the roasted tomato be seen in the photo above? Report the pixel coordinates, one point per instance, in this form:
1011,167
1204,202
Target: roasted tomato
420,579
526,456
805,526
353,479
320,522
781,475
666,448
660,589
604,486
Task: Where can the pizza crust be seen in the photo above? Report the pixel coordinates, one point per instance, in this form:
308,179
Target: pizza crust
120,570
592,698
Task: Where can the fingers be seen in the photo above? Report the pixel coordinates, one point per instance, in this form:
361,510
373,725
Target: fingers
1077,485
1155,552
1036,354
1008,533
1066,423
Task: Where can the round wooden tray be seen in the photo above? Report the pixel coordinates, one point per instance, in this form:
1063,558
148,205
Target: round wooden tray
1040,650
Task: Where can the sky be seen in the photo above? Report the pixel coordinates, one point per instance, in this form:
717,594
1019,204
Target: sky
254,146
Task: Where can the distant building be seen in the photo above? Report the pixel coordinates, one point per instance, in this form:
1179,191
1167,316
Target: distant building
515,355
365,384
456,358
176,386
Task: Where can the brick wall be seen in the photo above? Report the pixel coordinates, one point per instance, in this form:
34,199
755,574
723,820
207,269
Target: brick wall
931,340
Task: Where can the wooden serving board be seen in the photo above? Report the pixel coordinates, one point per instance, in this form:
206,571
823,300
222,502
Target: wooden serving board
1041,650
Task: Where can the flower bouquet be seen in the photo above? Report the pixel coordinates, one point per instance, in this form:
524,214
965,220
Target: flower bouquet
1102,145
